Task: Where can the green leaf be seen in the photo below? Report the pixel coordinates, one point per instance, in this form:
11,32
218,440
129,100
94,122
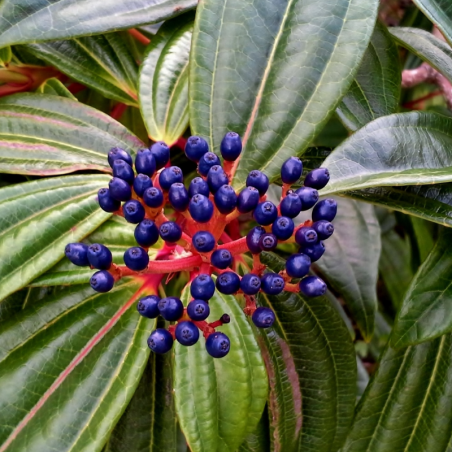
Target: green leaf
406,406
163,87
259,440
69,365
401,149
6,55
256,69
54,87
375,91
102,62
210,393
37,220
440,13
23,21
47,135
363,379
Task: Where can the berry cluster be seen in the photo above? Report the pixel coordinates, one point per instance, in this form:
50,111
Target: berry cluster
195,238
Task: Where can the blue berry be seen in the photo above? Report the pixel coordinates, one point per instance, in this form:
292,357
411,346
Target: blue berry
252,239
198,310
120,189
161,153
317,178
314,250
263,317
133,211
160,341
146,233
201,208
308,197
202,287
145,162
203,241
77,253
198,186
250,284
290,206
272,283
283,228
221,259
195,148
291,170
228,283
216,178
153,197
123,170
265,213
306,236
248,199
170,232
171,308
218,345
118,153
298,265
106,202
312,286
148,306
136,258
141,183
268,242
225,199
325,210
231,146
178,197
187,333
170,176
208,160
324,229
102,281
99,256
258,180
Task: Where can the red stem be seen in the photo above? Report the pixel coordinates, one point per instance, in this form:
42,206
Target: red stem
236,247
139,36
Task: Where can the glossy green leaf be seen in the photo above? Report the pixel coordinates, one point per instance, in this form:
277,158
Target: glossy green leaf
440,13
5,55
24,21
211,392
273,71
37,220
406,406
375,91
259,440
48,135
69,365
163,87
54,87
102,62
363,379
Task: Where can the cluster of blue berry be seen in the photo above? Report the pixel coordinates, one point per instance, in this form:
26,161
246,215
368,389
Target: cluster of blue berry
191,240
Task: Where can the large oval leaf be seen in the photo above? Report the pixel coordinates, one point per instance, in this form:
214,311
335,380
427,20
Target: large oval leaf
47,135
440,13
273,71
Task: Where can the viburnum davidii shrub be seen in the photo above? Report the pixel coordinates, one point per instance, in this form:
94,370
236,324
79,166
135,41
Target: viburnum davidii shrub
225,226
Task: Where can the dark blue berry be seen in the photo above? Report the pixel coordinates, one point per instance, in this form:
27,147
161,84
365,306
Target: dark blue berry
221,259
133,211
106,202
202,287
148,306
298,265
170,176
263,317
218,345
283,228
178,197
123,170
136,258
291,170
201,208
102,281
99,256
198,310
195,148
171,308
77,253
265,213
290,206
324,229
216,178
268,242
252,239
141,183
119,189
145,162
170,232
161,153
317,178
314,250
258,180
187,333
146,233
198,186
306,236
118,153
248,199
308,197
225,199
312,286
153,197
231,146
272,283
160,341
325,210
250,284
228,283
208,160
203,241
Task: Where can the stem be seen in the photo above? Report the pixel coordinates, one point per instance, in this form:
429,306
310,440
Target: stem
291,288
118,110
139,36
236,247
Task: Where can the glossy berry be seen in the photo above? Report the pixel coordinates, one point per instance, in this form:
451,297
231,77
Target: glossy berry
221,259
161,153
203,241
248,199
225,199
290,206
148,306
324,229
216,178
298,265
231,146
187,333
202,287
141,183
178,197
272,283
291,170
106,202
325,210
146,233
265,213
160,341
99,256
218,345
102,281
171,308
201,208
136,258
250,284
195,148
208,160
170,232
153,197
252,239
306,236
225,318
317,178
119,189
258,180
77,253
170,176
228,283
308,197
268,242
283,228
133,211
198,310
263,317
312,286
145,162
314,251
118,153
123,170
198,186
